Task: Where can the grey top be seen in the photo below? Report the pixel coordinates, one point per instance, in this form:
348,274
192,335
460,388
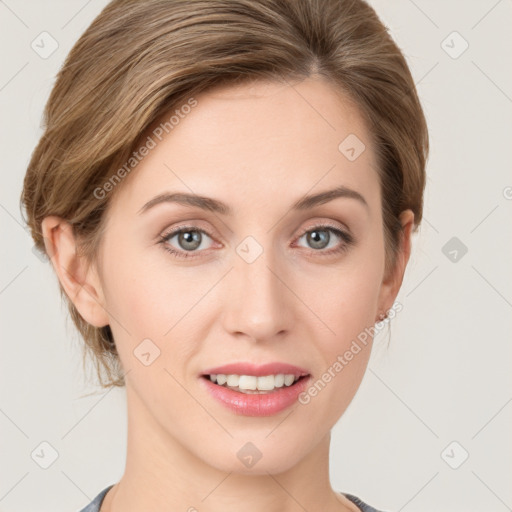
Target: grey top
95,504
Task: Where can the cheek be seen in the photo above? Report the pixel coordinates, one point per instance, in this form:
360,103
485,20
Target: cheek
139,292
345,297
151,304
346,305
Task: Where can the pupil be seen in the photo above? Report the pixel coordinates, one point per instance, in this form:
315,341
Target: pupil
315,237
190,237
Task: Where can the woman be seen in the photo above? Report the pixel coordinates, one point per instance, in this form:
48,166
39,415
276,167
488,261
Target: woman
227,192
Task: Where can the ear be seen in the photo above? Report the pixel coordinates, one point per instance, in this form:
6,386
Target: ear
393,281
79,280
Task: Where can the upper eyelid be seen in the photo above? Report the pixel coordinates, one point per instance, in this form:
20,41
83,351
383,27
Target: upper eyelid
324,225
174,231
192,226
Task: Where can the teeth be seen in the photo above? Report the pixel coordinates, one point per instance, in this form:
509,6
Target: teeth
221,379
289,380
253,383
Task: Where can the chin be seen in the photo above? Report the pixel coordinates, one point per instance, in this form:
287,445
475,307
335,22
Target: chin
253,457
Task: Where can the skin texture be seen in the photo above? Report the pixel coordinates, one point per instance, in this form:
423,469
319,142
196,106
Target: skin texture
258,148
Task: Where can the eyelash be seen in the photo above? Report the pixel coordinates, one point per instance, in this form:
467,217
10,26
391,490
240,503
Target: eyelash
347,239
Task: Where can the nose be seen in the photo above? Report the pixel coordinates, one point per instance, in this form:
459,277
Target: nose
258,304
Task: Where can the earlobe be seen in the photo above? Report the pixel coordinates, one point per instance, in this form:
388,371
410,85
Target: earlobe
79,280
392,283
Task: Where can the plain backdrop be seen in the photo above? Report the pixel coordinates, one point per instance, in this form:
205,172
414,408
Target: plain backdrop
429,429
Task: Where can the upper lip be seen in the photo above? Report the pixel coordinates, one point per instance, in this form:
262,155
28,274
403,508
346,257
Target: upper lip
246,368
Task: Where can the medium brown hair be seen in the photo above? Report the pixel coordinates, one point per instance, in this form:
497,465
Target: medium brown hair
141,58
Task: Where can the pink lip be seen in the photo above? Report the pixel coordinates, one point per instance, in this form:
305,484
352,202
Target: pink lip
255,404
247,368
265,404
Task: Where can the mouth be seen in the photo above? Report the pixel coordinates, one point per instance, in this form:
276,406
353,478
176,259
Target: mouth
253,389
255,385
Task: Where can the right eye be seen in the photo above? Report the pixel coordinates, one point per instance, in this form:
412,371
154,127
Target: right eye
189,239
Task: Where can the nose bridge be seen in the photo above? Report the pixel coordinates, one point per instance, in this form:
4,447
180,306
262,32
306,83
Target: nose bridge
258,303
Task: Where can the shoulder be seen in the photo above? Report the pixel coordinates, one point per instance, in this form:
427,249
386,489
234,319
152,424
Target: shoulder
360,503
95,504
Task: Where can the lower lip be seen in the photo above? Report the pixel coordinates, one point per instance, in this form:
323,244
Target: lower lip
264,404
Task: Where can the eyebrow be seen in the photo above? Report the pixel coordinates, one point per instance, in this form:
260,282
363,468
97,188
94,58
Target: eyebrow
214,205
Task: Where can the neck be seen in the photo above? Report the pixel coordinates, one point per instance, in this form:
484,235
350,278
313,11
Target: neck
162,474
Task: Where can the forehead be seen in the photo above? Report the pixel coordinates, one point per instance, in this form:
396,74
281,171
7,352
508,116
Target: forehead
253,141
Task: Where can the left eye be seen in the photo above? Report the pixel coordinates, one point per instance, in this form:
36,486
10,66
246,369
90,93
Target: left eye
319,237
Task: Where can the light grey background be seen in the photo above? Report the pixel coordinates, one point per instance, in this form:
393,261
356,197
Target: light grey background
447,374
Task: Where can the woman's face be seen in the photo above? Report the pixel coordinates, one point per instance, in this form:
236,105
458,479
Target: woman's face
265,282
